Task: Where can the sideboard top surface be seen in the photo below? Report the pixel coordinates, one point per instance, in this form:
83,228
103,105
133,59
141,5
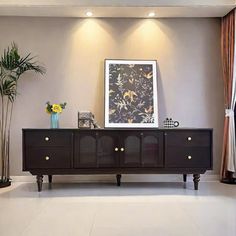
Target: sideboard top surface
120,129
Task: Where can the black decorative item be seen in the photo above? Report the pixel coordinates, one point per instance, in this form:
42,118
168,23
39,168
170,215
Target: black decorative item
169,123
86,120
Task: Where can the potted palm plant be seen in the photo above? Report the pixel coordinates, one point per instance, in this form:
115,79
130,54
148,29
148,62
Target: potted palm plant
12,67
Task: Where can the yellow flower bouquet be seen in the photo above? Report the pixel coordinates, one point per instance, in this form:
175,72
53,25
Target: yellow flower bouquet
54,110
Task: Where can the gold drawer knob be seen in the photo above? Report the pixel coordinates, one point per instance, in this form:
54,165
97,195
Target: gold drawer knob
116,149
189,157
122,149
189,138
46,138
47,158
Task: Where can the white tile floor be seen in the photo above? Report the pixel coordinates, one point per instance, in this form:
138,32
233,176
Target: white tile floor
134,209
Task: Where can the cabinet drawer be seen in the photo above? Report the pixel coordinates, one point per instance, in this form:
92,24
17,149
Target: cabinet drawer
37,158
188,138
193,157
48,138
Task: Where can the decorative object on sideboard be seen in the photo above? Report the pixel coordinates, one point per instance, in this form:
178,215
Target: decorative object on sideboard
12,67
169,123
54,121
95,123
131,94
86,120
54,110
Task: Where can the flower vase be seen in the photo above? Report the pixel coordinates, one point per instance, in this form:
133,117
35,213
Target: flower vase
55,120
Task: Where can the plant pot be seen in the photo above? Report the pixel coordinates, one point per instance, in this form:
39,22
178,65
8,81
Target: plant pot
228,181
5,183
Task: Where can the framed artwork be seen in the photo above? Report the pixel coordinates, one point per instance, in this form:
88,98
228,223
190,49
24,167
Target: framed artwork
131,94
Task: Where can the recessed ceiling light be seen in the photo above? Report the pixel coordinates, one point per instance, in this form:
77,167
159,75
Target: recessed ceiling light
89,13
151,14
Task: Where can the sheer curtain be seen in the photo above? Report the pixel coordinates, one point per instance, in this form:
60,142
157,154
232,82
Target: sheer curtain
228,167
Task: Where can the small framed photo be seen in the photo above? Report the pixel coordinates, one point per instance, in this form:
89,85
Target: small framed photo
131,94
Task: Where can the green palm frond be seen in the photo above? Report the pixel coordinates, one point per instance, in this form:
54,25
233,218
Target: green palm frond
9,86
10,58
27,66
12,66
12,62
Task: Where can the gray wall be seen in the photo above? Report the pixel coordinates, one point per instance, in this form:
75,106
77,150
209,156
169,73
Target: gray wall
190,87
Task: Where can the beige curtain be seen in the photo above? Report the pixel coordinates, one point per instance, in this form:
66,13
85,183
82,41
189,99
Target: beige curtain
228,167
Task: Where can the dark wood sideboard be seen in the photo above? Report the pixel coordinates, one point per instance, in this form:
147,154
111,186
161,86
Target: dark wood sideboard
117,151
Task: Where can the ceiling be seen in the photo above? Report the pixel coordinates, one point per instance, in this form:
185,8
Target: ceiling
117,8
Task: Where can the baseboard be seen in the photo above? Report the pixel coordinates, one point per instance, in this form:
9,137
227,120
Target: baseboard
112,178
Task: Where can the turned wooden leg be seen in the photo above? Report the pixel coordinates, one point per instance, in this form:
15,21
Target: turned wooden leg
39,182
185,177
50,179
196,179
118,178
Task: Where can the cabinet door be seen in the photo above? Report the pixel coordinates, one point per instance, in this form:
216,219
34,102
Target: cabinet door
85,155
107,150
152,149
130,150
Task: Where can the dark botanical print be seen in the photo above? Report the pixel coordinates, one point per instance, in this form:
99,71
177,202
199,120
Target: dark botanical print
131,93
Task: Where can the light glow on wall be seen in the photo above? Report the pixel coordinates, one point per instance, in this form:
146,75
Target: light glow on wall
89,13
151,14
